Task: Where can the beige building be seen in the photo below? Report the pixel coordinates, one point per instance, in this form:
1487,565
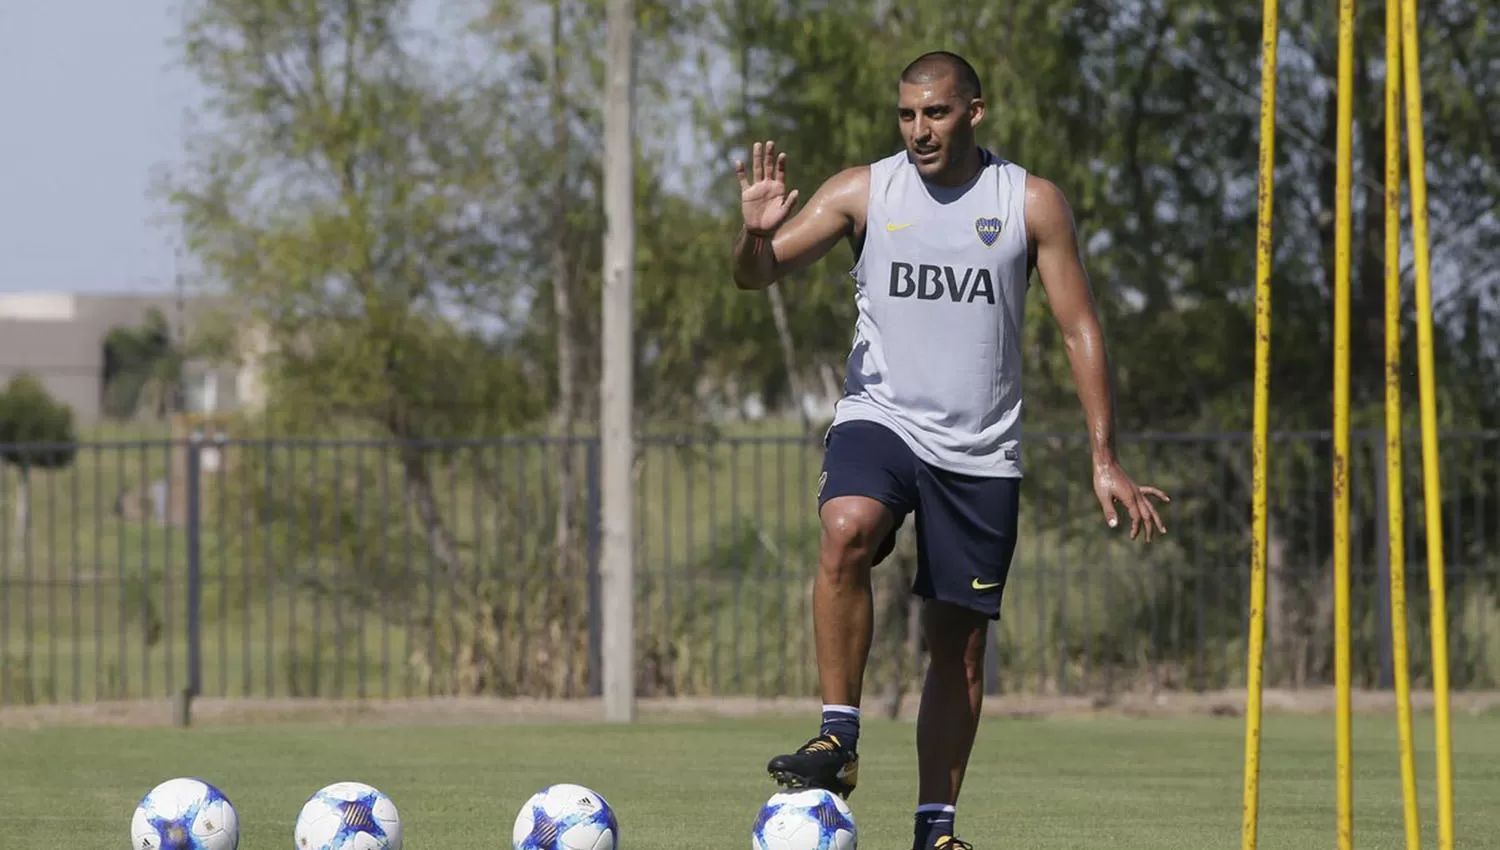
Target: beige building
58,337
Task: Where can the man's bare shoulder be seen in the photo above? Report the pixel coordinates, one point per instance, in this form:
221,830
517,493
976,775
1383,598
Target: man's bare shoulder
846,192
1047,209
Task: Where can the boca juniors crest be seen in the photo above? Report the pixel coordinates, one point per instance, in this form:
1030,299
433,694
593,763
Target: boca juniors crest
988,230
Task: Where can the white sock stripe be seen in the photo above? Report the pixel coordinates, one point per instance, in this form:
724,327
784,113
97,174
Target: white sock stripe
935,807
841,709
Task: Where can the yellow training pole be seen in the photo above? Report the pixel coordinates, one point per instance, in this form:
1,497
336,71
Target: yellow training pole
1254,669
1341,251
1395,483
1431,486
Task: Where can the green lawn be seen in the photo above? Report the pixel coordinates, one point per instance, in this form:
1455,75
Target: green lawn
1125,784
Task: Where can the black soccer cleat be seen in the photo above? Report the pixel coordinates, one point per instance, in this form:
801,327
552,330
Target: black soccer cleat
945,842
823,763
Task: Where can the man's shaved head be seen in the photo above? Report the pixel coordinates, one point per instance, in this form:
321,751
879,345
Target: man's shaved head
940,64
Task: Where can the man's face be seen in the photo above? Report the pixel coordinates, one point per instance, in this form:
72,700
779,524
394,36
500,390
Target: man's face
937,123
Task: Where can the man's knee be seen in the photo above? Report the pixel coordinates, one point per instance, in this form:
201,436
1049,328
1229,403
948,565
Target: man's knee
854,527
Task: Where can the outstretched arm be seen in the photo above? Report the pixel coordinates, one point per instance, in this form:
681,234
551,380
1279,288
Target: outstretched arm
1049,221
769,247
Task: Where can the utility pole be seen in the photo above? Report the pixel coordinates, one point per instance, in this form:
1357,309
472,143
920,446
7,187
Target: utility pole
617,384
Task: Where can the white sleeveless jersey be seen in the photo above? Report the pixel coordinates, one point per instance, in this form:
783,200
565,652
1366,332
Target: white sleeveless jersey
941,289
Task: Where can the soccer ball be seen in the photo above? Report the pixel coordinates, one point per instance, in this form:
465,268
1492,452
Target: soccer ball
185,814
566,817
348,816
806,819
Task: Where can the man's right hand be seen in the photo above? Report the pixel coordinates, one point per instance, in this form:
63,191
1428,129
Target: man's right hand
764,199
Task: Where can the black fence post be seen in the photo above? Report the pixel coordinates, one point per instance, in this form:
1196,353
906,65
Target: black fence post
594,507
194,575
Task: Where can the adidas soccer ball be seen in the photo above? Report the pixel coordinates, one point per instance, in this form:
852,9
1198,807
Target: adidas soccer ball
566,817
348,816
185,814
806,819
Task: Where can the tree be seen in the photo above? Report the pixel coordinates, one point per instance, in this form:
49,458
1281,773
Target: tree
36,432
141,365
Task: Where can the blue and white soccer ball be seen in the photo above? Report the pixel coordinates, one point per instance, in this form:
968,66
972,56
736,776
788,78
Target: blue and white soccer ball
348,816
805,819
566,817
185,814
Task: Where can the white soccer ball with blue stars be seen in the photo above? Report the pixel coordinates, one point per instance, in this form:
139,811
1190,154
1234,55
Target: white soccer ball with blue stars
566,817
185,814
804,819
348,816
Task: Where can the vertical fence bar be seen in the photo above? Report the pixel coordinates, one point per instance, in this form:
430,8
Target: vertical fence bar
314,568
737,552
360,690
268,541
98,581
148,508
385,570
7,593
76,601
28,659
194,536
121,609
242,508
713,618
293,686
595,536
338,568
221,507
477,469
52,584
665,572
169,517
689,575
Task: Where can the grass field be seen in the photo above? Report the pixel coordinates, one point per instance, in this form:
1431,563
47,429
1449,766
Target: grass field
1063,783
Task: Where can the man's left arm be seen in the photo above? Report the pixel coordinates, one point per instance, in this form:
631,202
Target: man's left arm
1054,239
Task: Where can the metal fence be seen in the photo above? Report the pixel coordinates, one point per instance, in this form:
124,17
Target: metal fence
363,568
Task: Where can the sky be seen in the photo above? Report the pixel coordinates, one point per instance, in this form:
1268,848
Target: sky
90,103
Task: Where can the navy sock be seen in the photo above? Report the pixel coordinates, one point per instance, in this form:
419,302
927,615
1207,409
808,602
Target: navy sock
842,722
933,820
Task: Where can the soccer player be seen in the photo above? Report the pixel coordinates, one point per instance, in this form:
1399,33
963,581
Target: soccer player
946,235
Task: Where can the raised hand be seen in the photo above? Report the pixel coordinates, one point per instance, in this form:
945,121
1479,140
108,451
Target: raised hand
764,199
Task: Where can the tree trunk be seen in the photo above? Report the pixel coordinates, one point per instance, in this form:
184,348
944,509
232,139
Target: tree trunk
789,357
831,385
773,292
1278,612
906,624
420,495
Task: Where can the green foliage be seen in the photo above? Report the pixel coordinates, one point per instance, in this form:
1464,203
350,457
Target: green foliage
350,215
139,362
30,415
1146,116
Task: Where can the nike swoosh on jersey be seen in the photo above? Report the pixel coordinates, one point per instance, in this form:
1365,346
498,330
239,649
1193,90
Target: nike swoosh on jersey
892,228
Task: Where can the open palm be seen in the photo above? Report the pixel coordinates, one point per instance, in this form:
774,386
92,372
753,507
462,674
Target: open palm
764,199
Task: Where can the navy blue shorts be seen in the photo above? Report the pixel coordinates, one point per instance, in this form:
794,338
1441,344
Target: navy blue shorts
966,524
